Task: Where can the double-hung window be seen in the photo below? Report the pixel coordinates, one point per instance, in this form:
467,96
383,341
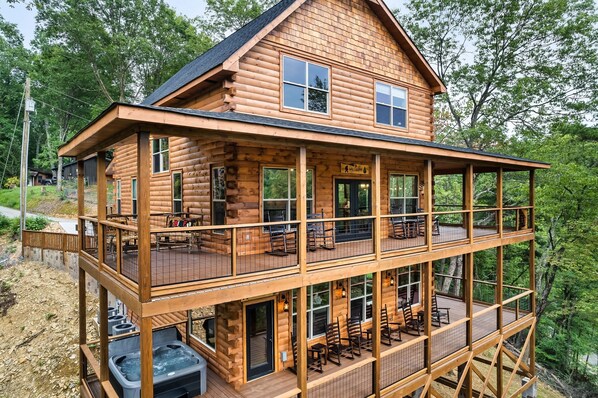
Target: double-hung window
218,196
118,197
177,192
305,85
318,309
279,193
391,105
409,285
403,194
134,196
361,295
160,160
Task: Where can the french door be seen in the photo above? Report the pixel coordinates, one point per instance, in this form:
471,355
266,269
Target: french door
259,339
353,198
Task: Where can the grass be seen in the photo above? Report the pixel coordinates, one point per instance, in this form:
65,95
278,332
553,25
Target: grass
41,199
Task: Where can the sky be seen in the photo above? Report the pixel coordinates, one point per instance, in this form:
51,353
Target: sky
25,19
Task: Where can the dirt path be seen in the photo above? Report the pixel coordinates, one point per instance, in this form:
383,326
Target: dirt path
45,313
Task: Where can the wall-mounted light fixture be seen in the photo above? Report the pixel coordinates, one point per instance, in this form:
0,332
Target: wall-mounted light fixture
391,278
340,285
285,302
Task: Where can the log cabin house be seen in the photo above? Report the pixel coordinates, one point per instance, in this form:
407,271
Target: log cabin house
291,170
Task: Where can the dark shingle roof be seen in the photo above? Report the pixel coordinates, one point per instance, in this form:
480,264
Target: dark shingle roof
217,54
316,128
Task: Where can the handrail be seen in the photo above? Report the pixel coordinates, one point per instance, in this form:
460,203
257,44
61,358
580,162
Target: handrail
436,213
486,209
484,282
117,225
346,370
404,215
517,297
485,310
91,360
517,207
449,327
515,287
218,227
89,218
403,346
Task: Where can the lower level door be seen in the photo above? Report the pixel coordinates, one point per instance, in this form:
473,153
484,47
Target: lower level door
259,337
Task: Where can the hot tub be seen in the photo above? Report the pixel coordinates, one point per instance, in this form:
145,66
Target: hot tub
179,371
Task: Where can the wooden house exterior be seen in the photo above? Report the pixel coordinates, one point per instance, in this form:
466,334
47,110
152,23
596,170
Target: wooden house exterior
318,108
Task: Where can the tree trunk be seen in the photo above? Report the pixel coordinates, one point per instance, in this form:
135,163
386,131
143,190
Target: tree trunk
59,176
446,285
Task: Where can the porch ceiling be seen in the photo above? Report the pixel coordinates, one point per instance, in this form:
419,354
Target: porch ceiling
120,121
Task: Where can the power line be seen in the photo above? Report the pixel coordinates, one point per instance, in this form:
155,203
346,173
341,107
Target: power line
66,95
13,136
62,110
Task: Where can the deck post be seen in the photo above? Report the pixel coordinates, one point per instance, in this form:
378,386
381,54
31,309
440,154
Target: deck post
377,307
428,282
376,184
301,184
469,264
101,177
82,288
104,372
532,198
302,341
81,203
147,360
143,216
532,298
468,187
499,199
429,188
499,317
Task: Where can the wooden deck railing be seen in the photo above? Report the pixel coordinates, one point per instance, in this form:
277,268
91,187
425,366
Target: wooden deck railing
51,241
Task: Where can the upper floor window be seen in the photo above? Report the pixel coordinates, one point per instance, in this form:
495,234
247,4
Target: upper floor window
218,196
403,194
280,195
305,85
177,192
391,105
160,159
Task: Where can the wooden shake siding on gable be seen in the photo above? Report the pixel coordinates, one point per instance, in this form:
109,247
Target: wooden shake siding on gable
347,37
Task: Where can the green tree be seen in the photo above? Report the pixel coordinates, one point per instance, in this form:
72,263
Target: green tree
226,16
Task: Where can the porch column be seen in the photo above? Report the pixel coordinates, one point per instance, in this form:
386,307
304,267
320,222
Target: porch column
82,290
301,183
104,372
428,281
376,309
469,264
376,182
101,194
143,216
499,199
468,187
499,320
429,184
302,340
532,286
147,360
532,198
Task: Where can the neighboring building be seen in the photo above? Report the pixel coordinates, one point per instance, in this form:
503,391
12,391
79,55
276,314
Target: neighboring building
322,106
39,177
69,170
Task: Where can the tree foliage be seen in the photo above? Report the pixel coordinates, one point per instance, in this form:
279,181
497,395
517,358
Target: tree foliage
225,16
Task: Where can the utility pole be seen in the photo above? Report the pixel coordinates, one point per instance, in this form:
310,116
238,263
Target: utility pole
29,107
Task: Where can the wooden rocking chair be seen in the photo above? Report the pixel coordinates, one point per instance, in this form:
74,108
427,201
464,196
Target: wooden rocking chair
355,335
411,322
335,345
314,358
441,314
317,233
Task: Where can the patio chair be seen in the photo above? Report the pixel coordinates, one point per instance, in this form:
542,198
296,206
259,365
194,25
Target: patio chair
421,228
283,240
317,233
335,346
355,334
411,322
439,314
388,330
314,358
398,229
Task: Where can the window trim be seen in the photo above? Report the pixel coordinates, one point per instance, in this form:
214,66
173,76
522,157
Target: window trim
284,108
310,311
160,153
212,200
390,198
364,297
118,196
134,195
289,199
409,283
180,172
391,126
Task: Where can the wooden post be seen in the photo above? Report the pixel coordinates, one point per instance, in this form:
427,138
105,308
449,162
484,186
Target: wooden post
468,187
469,264
24,159
233,251
301,184
532,198
376,183
499,199
147,360
302,340
376,309
81,202
428,281
101,177
143,216
429,183
82,325
499,317
104,372
532,298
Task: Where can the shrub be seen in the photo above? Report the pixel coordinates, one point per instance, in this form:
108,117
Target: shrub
11,182
10,226
36,223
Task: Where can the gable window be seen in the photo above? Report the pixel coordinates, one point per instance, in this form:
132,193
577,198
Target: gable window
403,194
118,197
134,196
409,285
318,309
391,105
279,193
218,196
160,160
305,85
177,192
361,295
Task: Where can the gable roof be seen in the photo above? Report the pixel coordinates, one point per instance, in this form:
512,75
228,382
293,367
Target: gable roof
241,41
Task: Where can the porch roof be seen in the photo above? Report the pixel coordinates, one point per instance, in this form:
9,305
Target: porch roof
121,120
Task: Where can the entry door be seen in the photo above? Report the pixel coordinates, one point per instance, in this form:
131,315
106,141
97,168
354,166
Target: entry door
353,198
259,338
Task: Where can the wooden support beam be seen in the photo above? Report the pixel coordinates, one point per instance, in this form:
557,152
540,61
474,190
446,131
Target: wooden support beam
143,217
81,202
101,199
104,371
301,183
147,360
499,199
532,286
302,341
428,206
376,198
469,187
486,379
499,317
428,314
518,363
82,324
524,387
532,197
377,306
469,264
464,377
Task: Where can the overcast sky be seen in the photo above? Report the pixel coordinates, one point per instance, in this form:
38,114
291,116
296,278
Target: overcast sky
25,19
